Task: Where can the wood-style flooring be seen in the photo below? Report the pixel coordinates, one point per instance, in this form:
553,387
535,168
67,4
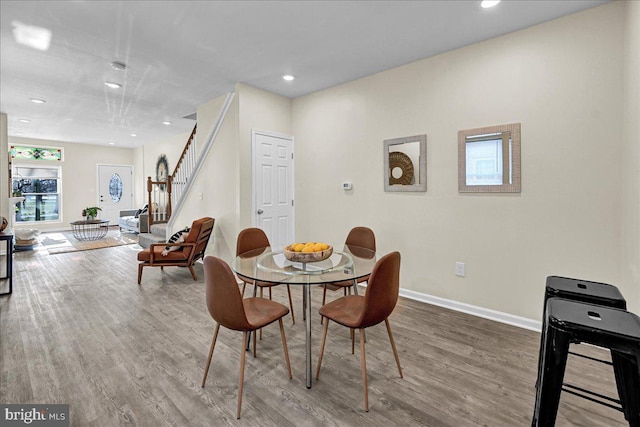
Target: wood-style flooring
79,330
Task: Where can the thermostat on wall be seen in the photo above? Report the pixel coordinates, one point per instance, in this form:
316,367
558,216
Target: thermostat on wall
346,185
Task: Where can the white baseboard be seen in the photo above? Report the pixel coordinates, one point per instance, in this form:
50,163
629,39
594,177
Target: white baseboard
498,316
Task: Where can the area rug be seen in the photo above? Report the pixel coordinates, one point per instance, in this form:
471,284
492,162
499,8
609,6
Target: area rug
63,242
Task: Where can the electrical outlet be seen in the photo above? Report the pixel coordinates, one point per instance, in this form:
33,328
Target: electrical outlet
460,269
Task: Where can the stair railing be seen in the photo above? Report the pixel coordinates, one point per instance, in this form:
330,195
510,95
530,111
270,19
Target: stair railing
159,200
184,168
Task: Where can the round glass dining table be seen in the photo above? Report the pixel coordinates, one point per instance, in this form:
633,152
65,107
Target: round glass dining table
265,265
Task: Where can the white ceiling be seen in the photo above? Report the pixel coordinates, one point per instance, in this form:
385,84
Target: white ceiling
180,54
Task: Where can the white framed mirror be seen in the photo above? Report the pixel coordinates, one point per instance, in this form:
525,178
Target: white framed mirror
489,159
405,163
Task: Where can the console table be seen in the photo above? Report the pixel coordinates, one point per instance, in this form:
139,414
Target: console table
8,237
94,229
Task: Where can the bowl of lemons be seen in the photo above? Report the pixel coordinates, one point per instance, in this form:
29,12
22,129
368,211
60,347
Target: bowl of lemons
308,252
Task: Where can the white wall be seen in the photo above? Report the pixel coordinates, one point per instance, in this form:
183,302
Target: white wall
264,111
218,183
562,81
79,176
225,184
631,155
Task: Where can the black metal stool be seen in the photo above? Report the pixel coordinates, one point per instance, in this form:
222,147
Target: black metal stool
569,322
583,291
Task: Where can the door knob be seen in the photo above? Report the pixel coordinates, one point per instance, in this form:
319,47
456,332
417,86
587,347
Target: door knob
260,211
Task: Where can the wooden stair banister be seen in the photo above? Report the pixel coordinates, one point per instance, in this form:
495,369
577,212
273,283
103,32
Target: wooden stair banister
183,171
162,210
184,152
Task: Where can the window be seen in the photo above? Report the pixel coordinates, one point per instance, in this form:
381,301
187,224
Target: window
40,186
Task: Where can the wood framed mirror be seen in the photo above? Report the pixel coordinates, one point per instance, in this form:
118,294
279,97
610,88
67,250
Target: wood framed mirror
405,163
489,159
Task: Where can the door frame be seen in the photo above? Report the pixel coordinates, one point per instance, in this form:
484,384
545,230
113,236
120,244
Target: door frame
98,181
254,178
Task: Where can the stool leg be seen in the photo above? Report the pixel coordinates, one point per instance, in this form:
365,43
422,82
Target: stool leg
627,374
554,361
619,369
540,354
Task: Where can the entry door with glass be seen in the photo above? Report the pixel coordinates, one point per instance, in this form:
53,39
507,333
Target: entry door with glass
115,191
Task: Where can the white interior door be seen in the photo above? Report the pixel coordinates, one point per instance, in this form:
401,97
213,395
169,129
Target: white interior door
115,191
273,187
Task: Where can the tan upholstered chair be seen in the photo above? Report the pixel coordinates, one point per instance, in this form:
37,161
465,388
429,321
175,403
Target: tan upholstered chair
250,239
228,309
360,312
191,250
359,237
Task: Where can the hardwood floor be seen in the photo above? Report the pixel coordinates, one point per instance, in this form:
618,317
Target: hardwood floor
79,330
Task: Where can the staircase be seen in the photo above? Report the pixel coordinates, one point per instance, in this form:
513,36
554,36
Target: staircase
158,234
166,198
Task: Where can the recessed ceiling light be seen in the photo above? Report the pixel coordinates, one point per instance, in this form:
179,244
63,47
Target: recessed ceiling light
166,123
489,3
113,85
18,133
119,66
288,77
112,143
24,120
133,134
32,36
37,100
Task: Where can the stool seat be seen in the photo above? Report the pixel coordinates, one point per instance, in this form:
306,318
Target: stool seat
569,322
584,290
606,323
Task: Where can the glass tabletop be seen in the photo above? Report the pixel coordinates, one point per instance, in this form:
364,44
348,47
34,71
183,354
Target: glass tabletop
265,265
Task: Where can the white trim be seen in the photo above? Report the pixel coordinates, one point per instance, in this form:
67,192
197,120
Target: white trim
485,313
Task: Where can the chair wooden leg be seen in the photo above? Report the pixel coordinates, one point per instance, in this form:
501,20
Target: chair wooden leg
270,292
261,296
140,273
393,346
344,291
254,343
353,340
324,298
284,345
363,363
244,285
213,344
324,337
241,381
293,316
193,273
